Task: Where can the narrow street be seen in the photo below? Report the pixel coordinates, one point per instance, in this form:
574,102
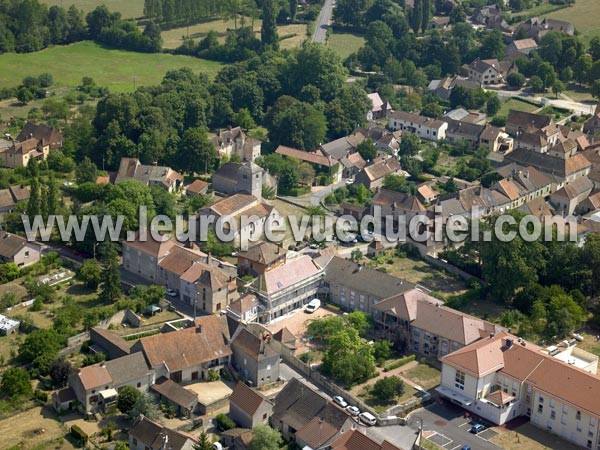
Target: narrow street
323,22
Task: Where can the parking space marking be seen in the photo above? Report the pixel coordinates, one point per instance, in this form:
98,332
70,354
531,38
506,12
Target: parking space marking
463,424
440,439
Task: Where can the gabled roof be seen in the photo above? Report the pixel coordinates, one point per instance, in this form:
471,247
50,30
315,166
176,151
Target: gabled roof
297,404
398,201
376,101
46,134
132,168
197,187
152,247
526,119
316,157
404,305
575,188
244,303
252,346
96,376
11,244
110,341
286,337
189,347
356,440
233,204
292,272
450,323
156,436
246,398
526,362
127,368
379,169
525,44
263,253
179,395
363,279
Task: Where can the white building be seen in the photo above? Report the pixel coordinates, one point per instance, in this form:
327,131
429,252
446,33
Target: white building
502,377
424,127
8,325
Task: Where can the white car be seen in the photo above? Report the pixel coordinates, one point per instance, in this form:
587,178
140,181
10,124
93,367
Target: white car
367,418
353,411
340,401
171,292
349,181
313,305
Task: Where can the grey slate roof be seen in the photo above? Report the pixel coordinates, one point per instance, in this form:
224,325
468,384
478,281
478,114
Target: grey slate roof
128,368
359,278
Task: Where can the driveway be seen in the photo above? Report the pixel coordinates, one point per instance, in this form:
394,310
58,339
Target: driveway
323,22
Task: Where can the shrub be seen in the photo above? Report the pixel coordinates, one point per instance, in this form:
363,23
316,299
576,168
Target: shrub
224,423
79,434
401,362
388,388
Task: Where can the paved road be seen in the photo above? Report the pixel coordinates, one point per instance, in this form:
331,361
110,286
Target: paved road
323,22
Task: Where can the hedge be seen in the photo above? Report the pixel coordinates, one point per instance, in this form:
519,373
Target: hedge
401,362
79,434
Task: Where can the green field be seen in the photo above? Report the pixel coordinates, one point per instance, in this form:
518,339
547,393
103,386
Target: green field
345,43
584,14
516,105
127,8
115,69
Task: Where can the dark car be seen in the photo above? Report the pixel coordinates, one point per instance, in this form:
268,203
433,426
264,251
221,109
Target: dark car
477,428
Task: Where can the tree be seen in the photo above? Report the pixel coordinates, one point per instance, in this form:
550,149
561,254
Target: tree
90,273
86,171
558,87
388,388
426,15
582,68
59,372
595,48
595,89
493,105
204,442
536,84
415,16
433,110
127,398
244,119
195,152
268,32
34,202
367,150
515,80
145,405
492,46
265,438
301,126
42,342
382,350
15,383
224,423
24,95
348,358
410,145
111,275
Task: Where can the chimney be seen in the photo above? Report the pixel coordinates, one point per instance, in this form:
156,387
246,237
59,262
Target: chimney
509,343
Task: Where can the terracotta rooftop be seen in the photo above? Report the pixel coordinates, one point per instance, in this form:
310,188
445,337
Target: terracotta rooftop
246,398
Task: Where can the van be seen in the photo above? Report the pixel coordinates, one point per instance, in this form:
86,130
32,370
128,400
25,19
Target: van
313,305
367,418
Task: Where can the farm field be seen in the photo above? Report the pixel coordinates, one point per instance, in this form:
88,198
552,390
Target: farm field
294,34
345,43
116,69
129,9
583,14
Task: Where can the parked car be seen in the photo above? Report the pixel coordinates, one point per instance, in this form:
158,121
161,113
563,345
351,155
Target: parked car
353,411
313,305
349,181
171,292
465,447
477,428
340,401
367,418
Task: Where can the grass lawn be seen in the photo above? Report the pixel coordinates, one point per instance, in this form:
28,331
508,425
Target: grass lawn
589,344
345,43
115,69
447,163
515,105
578,93
529,437
584,15
418,271
425,376
127,8
294,34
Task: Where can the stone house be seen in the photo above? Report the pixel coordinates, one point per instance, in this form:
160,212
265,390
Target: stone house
248,407
254,358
